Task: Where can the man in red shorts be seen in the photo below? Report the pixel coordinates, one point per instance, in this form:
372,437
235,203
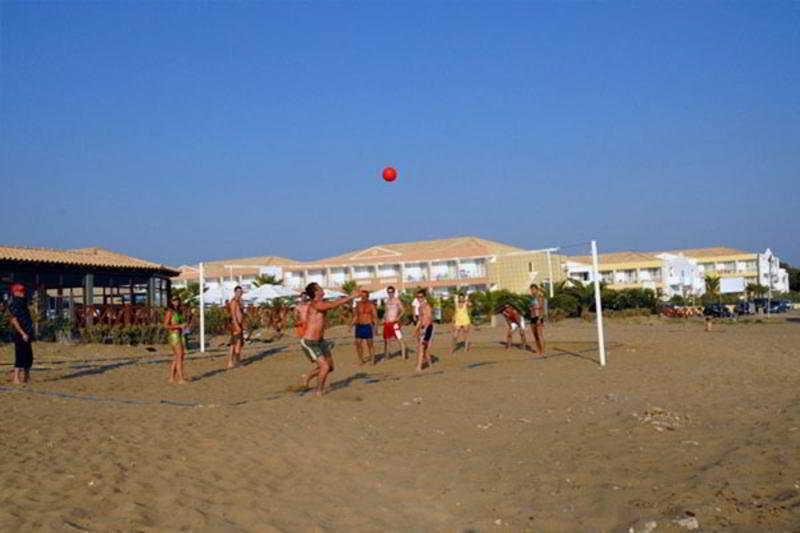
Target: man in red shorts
392,327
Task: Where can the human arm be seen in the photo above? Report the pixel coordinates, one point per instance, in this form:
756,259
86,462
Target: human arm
374,315
16,325
324,306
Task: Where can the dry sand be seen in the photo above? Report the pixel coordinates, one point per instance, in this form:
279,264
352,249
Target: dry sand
682,424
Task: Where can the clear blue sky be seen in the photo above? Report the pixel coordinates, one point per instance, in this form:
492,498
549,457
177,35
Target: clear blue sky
182,131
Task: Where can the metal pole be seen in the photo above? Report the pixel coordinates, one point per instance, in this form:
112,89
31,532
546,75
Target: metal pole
769,290
598,307
550,273
202,311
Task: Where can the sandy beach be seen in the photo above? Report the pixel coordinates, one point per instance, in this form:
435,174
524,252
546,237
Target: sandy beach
682,428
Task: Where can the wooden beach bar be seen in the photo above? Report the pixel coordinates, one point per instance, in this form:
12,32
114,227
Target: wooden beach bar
87,285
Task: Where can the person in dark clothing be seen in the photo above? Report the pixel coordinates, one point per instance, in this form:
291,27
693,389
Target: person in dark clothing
22,334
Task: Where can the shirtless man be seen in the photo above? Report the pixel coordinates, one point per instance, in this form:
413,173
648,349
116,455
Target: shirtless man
424,330
537,309
237,329
316,347
515,322
392,328
300,312
364,320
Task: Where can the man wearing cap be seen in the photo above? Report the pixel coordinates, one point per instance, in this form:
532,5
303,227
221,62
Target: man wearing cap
22,333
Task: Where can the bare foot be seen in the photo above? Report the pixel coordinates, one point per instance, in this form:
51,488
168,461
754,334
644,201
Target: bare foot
318,393
418,370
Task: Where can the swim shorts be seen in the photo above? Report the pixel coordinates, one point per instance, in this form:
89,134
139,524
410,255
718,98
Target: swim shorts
521,324
315,349
237,337
427,335
537,320
391,330
363,331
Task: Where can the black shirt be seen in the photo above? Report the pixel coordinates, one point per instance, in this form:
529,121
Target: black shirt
19,310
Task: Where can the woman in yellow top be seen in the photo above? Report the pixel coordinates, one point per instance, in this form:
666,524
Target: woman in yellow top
461,321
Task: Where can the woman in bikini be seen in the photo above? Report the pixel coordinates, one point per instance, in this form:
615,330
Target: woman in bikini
537,311
174,322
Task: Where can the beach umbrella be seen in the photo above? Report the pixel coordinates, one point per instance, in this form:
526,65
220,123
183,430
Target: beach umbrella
379,295
265,293
330,294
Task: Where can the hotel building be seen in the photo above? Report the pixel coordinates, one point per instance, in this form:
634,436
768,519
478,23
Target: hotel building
443,266
683,272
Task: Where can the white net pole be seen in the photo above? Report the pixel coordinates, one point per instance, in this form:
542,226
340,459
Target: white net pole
598,307
202,311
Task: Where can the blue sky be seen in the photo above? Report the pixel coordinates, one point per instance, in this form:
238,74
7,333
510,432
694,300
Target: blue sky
183,131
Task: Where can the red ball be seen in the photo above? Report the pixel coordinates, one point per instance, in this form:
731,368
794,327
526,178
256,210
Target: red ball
389,174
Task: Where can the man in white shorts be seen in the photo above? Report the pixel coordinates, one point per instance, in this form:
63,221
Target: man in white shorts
515,322
392,328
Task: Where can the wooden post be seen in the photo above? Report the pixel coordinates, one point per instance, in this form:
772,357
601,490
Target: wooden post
88,298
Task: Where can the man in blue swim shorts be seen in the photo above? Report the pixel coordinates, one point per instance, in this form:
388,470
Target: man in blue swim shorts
364,319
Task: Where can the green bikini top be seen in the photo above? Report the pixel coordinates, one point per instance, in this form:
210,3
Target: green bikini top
177,318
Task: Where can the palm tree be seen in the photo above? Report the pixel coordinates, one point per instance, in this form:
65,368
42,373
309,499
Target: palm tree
755,290
189,293
266,279
712,285
349,286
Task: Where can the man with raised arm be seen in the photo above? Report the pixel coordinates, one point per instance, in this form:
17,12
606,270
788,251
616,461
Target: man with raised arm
316,347
392,327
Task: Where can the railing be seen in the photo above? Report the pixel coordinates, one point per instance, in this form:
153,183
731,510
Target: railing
117,315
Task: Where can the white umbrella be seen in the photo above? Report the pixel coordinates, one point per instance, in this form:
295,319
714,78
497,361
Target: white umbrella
216,295
330,293
379,295
269,292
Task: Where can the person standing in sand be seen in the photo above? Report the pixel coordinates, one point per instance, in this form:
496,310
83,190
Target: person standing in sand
237,329
392,328
538,311
424,330
461,321
515,322
314,344
174,323
364,320
22,334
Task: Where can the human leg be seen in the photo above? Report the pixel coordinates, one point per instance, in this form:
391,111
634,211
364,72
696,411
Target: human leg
371,350
179,358
538,336
324,370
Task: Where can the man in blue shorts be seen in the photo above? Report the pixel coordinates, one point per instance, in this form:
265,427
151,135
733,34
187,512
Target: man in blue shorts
364,320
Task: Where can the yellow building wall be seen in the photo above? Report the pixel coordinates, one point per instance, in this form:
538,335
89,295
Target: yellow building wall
516,272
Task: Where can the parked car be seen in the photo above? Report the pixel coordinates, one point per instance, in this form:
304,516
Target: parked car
745,308
784,306
718,311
